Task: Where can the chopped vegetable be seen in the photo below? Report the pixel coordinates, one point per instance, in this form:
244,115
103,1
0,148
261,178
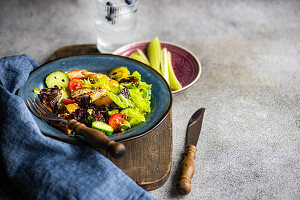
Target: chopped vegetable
51,97
164,64
139,101
111,112
137,75
57,79
140,56
154,54
125,93
118,73
116,120
129,82
160,60
145,89
74,84
174,83
68,101
72,107
65,93
143,56
134,116
120,100
101,126
125,125
136,56
37,90
114,86
103,82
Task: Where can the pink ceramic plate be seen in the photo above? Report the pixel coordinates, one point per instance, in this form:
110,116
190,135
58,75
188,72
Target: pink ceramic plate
186,66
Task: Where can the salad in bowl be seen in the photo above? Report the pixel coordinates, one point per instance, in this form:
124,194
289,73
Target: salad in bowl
112,103
150,91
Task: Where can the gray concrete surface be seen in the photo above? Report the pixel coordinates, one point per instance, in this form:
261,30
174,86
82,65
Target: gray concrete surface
250,83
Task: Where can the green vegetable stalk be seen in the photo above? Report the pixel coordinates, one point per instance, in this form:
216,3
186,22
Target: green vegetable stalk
140,56
174,83
154,54
136,56
143,56
164,64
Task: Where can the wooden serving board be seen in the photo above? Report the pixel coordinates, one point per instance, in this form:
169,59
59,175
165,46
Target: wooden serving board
147,159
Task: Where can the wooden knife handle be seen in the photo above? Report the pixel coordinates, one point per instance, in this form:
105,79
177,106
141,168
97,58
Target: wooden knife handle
98,139
187,170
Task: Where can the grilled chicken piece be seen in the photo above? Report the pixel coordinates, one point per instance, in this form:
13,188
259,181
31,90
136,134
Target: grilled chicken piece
79,73
92,75
75,94
94,93
104,100
82,73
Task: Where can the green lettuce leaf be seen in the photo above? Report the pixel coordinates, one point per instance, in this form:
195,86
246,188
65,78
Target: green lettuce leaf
137,75
142,103
103,82
145,89
134,116
120,100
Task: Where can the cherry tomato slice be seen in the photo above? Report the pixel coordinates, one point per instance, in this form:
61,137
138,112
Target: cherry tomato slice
75,83
69,101
116,120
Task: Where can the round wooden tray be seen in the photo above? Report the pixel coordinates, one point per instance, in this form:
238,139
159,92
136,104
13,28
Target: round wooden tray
147,159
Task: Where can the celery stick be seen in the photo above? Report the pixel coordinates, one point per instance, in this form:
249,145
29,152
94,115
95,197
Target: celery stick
137,57
145,59
164,64
174,83
154,53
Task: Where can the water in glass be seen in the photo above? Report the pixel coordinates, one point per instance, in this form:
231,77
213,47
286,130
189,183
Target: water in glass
115,23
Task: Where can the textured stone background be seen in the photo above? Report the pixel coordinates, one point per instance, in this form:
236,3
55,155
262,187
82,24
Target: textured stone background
250,83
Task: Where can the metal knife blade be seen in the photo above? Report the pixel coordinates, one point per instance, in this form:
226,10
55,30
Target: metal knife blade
194,127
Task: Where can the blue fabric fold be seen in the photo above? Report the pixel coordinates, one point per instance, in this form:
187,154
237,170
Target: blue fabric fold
45,168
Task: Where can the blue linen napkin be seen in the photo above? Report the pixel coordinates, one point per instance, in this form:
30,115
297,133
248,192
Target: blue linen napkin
44,168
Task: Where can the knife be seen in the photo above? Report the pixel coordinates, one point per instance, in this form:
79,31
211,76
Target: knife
187,166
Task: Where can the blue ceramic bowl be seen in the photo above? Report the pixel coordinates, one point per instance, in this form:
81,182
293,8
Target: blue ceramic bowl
161,94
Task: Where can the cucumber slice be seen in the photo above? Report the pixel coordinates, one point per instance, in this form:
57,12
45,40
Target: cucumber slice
101,126
57,79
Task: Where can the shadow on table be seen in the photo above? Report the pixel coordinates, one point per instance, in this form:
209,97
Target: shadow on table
174,180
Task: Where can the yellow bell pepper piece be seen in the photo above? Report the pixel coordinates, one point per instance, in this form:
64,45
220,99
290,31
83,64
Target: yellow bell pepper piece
72,107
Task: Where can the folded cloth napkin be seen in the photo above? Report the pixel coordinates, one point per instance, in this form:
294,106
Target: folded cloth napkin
44,168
